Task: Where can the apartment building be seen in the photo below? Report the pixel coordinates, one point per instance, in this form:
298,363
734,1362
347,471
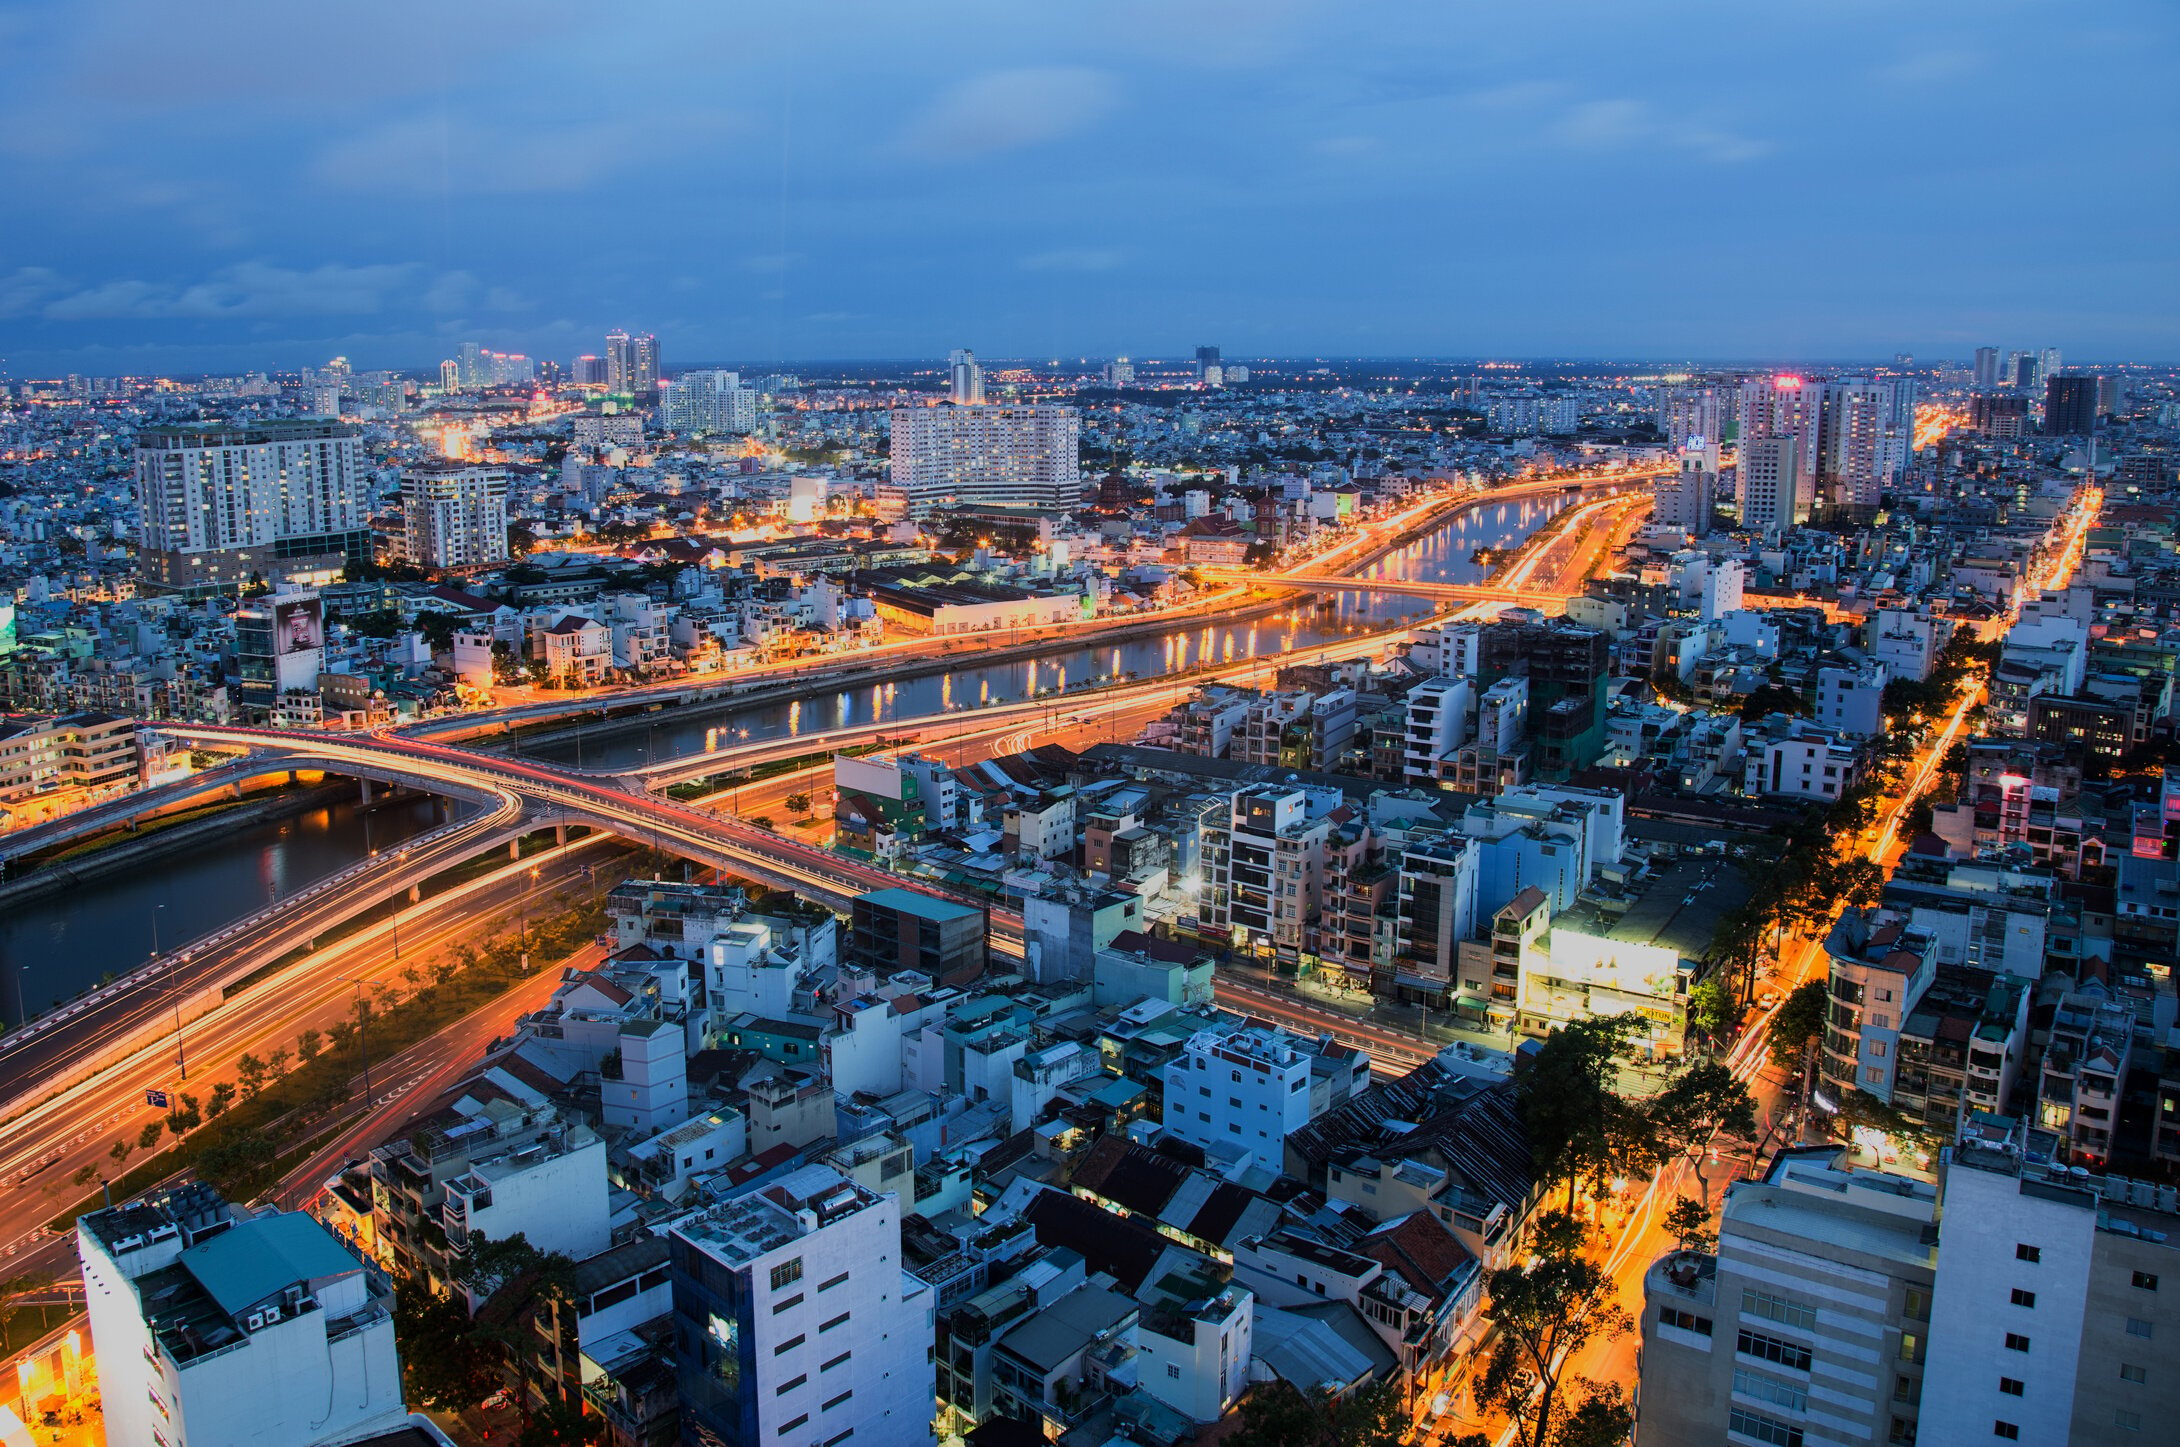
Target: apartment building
1809,1324
2057,1298
217,502
1264,865
1010,456
1879,968
795,1322
454,514
1238,1096
215,1326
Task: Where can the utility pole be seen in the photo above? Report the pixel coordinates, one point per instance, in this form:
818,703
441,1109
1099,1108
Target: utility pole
363,1042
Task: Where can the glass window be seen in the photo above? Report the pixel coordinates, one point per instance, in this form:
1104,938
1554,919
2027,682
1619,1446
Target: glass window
1764,1429
1791,1355
1770,1389
2012,1386
2008,1430
2023,1298
2015,1342
2140,1376
1778,1309
787,1273
2022,1251
2136,1326
2146,1281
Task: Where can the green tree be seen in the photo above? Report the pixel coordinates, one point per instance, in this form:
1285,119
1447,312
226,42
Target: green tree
277,1063
251,1071
307,1046
1710,1007
1278,1415
186,1116
148,1137
222,1096
444,1363
557,1424
1546,1313
1568,1102
798,803
1696,1105
1799,1024
1689,1222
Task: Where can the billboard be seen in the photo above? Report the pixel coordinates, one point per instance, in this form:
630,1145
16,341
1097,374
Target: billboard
298,625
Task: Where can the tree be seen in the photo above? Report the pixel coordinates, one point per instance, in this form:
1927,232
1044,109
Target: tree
1700,1102
1710,1007
251,1071
1799,1023
1546,1314
223,1095
557,1424
1277,1415
1568,1101
149,1135
444,1363
119,1153
307,1046
1689,1221
798,803
186,1116
13,1304
1769,699
277,1063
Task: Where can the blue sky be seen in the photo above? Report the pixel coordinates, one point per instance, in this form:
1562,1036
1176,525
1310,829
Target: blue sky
269,184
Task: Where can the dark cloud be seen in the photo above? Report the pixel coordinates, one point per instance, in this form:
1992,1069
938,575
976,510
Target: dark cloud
259,181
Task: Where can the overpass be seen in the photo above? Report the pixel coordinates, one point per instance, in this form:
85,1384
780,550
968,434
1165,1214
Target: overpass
1450,592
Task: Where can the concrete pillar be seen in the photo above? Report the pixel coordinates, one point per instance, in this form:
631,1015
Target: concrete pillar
365,786
514,849
560,834
416,893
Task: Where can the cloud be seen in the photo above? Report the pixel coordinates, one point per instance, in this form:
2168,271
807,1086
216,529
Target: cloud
26,288
254,289
428,156
1006,110
1614,125
1075,258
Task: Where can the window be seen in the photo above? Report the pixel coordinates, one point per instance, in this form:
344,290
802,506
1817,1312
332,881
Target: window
836,1441
2012,1386
1685,1320
836,1321
1911,1347
1903,1389
1173,1371
1791,1355
2015,1342
1770,1389
787,1273
2022,1251
787,1427
838,1400
1779,1309
2024,1298
1764,1429
785,1302
2007,1430
790,1384
836,1361
2127,1421
824,1286
2145,1281
2140,1376
2136,1326
1916,1306
789,1345
1874,1075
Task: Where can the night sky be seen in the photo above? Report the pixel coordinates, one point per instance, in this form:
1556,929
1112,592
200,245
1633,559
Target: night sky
254,184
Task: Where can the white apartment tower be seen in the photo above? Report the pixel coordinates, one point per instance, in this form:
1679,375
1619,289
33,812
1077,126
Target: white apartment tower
1010,456
1867,429
454,514
1775,494
1684,498
795,1324
710,401
217,1328
632,364
216,501
965,379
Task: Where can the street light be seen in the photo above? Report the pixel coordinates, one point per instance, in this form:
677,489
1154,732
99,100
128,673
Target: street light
181,1061
363,1041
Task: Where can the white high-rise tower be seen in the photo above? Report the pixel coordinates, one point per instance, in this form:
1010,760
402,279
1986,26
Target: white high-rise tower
968,378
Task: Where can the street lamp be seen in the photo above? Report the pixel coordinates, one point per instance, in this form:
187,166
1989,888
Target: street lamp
181,1060
363,1041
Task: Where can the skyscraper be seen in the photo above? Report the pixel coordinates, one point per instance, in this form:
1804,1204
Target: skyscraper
709,401
1693,416
2070,405
454,514
1684,498
217,502
1986,367
588,371
967,378
1864,430
1120,372
632,364
450,376
469,358
1790,407
1010,456
1206,359
1773,496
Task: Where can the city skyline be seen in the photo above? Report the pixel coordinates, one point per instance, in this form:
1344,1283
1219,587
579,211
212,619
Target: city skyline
812,185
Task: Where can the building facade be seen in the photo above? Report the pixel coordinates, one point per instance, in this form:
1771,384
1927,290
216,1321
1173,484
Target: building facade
1008,456
454,514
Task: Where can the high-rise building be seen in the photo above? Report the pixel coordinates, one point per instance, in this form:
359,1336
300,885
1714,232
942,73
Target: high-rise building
795,1322
1785,406
2109,400
1120,372
1005,455
1685,497
1864,429
1814,1310
588,371
1694,417
450,376
1773,493
2070,405
2051,1320
965,378
2021,371
217,502
632,364
709,401
217,1326
1206,358
469,358
2047,363
454,514
1986,367
1998,414
279,648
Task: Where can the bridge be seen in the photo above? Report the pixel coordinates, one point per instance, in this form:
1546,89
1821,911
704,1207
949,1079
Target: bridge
1540,599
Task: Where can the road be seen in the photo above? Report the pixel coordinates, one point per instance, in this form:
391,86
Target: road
40,1151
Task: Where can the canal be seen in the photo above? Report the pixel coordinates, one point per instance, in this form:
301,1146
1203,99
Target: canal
55,947
1443,556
